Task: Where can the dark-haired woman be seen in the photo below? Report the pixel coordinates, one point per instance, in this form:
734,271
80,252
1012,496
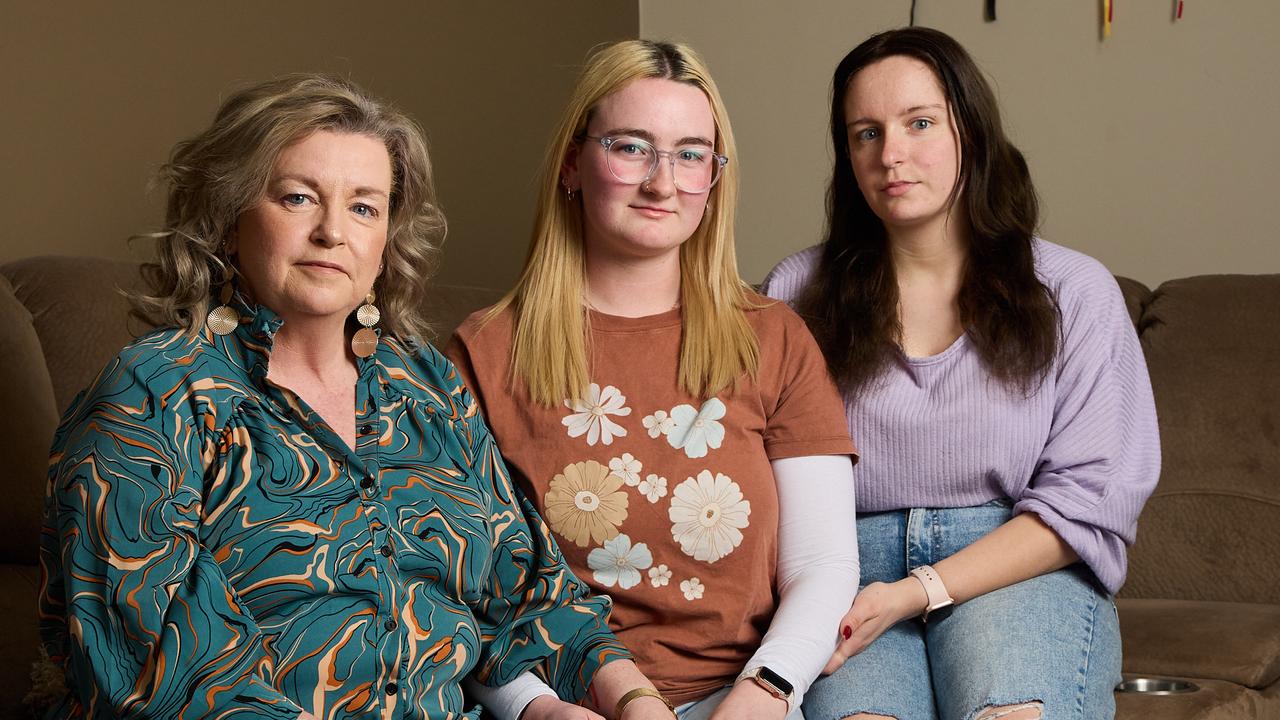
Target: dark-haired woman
1001,400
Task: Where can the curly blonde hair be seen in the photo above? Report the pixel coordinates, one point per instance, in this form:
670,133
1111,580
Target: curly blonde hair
220,173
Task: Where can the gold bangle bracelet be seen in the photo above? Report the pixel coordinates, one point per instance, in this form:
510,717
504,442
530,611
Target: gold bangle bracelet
639,692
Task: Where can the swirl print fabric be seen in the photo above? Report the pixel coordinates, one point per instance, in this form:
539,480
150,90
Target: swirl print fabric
213,549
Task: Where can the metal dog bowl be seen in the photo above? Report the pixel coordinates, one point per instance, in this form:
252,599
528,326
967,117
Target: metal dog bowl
1156,686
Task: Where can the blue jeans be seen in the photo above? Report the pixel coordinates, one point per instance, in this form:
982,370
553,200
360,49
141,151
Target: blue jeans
1053,639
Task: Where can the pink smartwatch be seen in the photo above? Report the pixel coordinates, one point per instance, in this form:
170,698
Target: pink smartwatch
933,589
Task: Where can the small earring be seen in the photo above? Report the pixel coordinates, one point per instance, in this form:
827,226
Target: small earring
365,341
223,319
568,191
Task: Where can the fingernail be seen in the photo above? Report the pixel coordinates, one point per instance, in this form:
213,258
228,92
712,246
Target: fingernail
847,632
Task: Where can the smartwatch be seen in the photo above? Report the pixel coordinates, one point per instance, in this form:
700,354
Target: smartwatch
772,682
937,593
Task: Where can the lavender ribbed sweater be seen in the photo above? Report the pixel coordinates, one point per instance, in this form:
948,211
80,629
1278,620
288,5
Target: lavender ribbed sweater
1082,452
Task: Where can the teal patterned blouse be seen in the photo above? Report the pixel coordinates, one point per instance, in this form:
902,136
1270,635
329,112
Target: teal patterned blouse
212,548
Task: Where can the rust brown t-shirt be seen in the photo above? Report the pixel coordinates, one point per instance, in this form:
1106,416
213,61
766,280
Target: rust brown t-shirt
665,502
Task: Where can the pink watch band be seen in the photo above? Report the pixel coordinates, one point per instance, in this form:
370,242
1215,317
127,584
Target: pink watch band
934,590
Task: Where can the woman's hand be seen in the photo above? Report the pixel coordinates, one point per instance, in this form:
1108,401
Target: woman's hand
878,607
549,707
749,701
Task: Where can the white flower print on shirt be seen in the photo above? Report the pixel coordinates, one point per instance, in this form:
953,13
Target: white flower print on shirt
696,430
626,467
659,423
653,487
591,415
659,575
692,588
618,562
708,514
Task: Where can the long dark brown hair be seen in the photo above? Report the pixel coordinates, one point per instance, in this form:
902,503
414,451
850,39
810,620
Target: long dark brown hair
851,303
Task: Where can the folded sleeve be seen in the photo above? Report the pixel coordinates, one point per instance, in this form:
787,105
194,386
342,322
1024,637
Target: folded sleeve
1102,457
806,415
534,613
133,604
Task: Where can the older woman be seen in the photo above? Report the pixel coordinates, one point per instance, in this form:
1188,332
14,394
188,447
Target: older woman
679,432
1010,428
266,510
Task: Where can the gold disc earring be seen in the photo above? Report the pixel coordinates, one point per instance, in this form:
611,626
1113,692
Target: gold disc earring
365,341
223,319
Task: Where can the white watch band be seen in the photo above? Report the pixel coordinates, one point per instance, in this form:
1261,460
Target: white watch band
934,590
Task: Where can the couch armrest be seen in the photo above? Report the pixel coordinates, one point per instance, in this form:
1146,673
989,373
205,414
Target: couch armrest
1237,642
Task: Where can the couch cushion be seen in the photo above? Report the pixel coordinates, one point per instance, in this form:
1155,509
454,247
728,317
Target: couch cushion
1136,297
1209,530
1236,642
1205,545
79,313
28,416
1215,700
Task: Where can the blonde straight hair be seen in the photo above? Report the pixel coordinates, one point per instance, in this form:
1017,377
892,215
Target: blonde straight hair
551,325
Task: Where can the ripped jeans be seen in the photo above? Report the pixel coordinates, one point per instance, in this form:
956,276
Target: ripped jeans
1053,639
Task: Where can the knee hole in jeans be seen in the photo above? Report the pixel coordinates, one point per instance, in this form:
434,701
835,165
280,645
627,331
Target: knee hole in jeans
1024,711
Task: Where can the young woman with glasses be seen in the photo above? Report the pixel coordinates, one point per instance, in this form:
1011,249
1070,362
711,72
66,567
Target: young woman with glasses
1000,390
679,433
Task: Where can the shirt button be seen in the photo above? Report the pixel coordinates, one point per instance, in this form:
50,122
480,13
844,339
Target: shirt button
367,482
366,428
390,625
385,550
391,688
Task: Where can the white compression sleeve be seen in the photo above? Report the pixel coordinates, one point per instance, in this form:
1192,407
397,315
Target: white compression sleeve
506,702
817,566
817,579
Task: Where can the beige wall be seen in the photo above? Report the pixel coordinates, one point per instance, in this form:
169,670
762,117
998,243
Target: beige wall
95,94
1155,150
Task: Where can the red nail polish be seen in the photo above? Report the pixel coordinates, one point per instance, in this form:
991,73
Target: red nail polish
847,632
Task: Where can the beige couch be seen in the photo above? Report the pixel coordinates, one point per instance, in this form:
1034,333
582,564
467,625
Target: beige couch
1201,602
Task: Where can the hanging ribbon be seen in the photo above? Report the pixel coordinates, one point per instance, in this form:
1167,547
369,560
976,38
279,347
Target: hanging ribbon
991,11
1108,8
1177,9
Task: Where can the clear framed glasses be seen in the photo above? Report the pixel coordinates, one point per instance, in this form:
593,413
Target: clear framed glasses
632,160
